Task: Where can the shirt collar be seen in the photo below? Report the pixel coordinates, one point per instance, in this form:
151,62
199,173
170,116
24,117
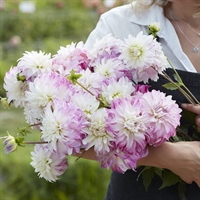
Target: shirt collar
146,18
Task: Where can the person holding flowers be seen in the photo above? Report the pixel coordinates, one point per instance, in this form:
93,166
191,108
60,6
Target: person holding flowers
117,99
179,36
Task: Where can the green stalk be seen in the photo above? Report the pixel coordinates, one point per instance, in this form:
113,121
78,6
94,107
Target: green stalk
187,96
35,143
189,92
90,93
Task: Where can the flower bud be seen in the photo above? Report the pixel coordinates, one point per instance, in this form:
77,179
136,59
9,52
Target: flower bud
4,103
10,144
154,28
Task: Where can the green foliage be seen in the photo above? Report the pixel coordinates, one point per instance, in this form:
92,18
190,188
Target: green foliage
55,23
73,77
83,180
148,173
69,21
172,86
169,179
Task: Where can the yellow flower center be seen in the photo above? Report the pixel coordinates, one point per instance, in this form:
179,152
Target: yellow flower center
135,52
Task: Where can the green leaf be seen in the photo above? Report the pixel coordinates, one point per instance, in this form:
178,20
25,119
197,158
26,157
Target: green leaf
159,172
103,102
19,141
169,178
23,131
182,190
178,79
73,77
171,86
4,102
147,176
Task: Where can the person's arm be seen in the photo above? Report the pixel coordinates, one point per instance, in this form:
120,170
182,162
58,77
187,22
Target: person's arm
89,154
182,158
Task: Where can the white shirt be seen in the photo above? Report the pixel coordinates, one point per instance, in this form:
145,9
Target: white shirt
122,21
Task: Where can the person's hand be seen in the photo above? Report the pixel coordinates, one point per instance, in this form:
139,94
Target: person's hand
194,109
182,158
186,162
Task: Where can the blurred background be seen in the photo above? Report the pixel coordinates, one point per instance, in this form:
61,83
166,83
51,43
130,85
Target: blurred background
45,25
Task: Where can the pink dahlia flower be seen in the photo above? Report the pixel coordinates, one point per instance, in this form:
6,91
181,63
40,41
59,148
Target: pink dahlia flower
163,116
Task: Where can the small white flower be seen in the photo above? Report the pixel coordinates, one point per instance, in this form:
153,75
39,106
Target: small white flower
45,88
97,135
47,163
135,52
33,115
62,126
86,102
15,89
52,126
67,52
117,89
107,47
73,56
34,63
91,81
109,68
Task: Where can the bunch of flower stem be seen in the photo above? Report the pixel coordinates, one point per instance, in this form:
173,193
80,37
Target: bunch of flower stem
180,86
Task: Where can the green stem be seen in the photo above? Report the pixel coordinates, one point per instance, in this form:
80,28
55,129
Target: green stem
174,70
31,125
194,98
82,153
34,142
90,92
183,134
188,97
189,92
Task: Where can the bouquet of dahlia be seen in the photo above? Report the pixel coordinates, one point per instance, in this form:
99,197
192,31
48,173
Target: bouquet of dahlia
79,99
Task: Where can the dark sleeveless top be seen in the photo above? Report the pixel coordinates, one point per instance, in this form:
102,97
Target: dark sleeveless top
126,186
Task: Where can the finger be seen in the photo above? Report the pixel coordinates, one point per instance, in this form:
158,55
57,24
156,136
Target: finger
197,119
192,108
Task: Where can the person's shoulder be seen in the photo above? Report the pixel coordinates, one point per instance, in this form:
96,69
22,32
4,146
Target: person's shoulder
120,12
127,12
123,8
